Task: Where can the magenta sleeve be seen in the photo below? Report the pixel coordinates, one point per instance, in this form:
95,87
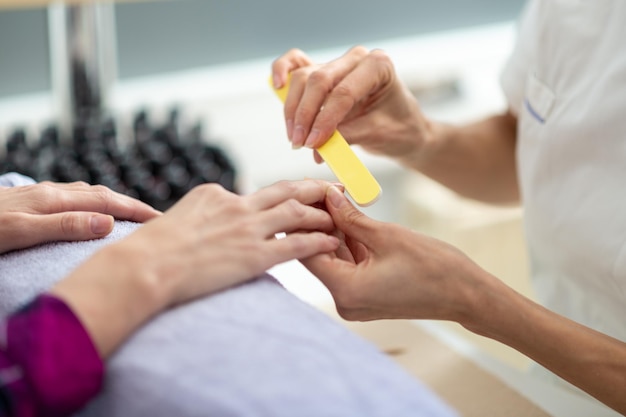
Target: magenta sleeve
49,365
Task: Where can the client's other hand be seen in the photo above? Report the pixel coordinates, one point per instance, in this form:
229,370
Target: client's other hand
46,212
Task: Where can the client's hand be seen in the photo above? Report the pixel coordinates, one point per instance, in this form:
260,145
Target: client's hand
45,212
211,239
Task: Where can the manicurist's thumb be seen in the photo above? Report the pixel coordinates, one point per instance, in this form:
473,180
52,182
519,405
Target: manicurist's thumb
348,218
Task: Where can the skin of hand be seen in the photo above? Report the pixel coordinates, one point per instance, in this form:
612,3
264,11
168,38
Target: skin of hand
210,240
45,212
382,270
360,94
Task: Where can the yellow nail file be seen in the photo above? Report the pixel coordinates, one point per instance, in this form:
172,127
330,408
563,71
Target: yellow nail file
350,171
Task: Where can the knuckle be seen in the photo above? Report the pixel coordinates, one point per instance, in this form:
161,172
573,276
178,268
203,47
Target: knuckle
378,55
209,189
209,192
359,50
287,187
296,52
353,217
104,194
382,61
345,94
81,184
294,209
69,224
321,79
299,244
45,194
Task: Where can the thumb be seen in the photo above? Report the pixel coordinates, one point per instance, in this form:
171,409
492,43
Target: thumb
72,225
348,218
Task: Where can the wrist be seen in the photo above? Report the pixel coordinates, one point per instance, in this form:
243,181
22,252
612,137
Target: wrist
491,306
426,145
112,295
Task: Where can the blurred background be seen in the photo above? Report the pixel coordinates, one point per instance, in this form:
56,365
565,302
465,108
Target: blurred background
164,36
185,100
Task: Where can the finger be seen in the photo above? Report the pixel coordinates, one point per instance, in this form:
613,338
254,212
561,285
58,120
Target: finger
343,251
305,191
319,85
349,220
358,250
317,157
94,198
67,226
333,272
291,216
368,78
299,246
288,62
294,97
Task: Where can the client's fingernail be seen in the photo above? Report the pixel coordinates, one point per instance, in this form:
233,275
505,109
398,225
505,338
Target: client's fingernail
340,186
100,224
336,197
312,139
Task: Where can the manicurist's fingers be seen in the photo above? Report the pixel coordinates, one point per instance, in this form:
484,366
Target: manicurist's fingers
354,224
282,66
367,78
322,84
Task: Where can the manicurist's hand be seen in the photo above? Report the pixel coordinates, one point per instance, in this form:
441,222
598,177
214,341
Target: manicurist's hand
210,240
45,212
359,93
382,270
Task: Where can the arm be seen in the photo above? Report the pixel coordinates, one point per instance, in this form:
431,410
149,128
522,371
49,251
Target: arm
210,240
385,271
475,160
361,95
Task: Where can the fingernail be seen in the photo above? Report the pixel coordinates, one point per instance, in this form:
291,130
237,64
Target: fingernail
336,197
100,224
298,137
276,81
339,186
312,139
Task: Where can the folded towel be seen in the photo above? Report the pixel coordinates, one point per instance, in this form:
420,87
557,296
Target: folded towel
253,350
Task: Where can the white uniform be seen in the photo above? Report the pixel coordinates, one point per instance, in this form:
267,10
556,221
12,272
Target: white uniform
566,81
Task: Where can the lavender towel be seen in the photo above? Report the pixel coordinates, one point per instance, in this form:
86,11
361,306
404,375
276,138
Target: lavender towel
253,350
